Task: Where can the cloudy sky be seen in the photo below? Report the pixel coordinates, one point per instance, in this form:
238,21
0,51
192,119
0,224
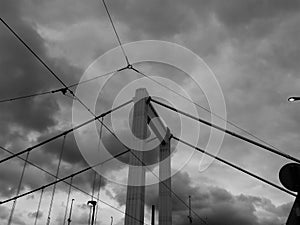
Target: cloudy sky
252,46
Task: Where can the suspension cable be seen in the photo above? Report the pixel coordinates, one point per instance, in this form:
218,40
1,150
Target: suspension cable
235,167
68,200
39,206
64,132
207,110
228,132
18,190
56,178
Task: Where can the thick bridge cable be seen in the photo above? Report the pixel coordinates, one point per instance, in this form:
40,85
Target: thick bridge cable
235,167
72,175
64,178
202,107
64,133
70,184
228,132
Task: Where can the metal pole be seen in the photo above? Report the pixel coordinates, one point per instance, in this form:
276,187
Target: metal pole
112,219
70,214
153,215
190,209
93,203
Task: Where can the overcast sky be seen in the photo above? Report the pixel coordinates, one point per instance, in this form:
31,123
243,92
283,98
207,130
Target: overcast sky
251,45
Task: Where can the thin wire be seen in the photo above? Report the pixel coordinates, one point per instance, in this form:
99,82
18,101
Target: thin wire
207,110
62,90
25,96
116,33
18,190
56,177
170,189
39,206
98,196
68,200
64,133
93,192
228,132
72,185
234,166
74,174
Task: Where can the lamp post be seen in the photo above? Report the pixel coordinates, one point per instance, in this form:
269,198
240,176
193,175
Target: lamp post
293,98
69,219
93,204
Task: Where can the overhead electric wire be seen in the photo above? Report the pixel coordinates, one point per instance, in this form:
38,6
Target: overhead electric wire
116,33
236,167
62,90
64,133
207,110
228,131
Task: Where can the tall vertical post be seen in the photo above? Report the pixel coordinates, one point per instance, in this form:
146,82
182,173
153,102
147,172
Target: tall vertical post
153,215
136,176
165,197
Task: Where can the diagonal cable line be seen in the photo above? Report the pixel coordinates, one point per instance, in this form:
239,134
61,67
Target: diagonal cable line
207,110
64,132
72,175
64,178
116,33
227,131
64,181
235,167
62,90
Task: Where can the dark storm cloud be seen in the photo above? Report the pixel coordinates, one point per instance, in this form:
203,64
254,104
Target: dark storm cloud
22,74
214,204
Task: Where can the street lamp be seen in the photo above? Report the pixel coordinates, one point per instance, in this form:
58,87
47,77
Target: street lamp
93,204
292,99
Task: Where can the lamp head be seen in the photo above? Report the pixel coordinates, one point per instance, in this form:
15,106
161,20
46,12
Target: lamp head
292,99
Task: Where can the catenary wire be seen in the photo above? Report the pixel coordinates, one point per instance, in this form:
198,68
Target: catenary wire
116,33
62,90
